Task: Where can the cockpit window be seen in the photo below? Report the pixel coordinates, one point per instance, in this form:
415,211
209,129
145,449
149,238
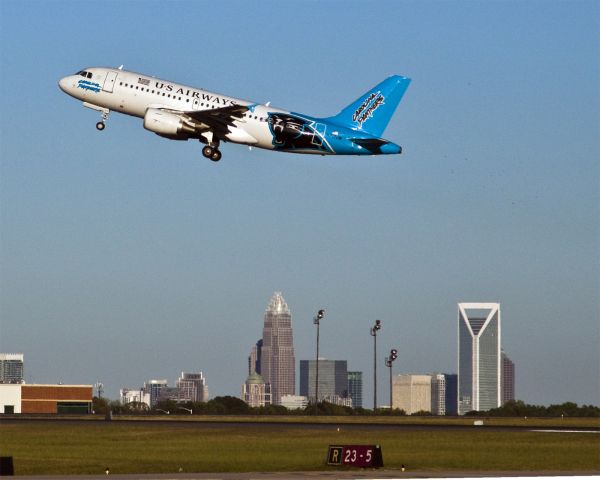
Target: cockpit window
84,74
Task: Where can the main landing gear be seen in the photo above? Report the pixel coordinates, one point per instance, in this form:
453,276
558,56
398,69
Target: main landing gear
212,152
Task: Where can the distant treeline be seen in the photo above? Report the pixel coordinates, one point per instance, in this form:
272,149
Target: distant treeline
228,405
518,408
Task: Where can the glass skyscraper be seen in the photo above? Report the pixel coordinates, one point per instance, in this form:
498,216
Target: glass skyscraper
333,379
355,388
479,359
277,361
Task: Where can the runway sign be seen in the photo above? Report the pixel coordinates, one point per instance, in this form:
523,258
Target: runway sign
363,456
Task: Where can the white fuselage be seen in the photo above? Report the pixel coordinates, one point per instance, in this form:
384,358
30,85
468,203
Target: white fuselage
111,89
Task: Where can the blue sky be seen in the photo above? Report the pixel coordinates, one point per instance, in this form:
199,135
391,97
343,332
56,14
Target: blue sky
126,257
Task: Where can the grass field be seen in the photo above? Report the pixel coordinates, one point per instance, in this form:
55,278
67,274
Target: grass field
39,447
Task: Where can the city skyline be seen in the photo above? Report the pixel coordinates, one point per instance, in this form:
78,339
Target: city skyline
124,256
484,316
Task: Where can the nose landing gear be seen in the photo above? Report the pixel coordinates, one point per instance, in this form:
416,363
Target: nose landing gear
101,125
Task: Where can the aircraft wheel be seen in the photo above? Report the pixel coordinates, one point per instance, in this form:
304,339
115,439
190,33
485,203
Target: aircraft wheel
100,126
208,151
216,156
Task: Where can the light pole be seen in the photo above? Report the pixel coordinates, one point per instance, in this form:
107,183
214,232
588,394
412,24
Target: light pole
317,321
388,361
186,409
374,330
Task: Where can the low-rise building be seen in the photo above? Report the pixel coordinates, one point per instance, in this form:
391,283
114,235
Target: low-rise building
51,399
294,402
255,392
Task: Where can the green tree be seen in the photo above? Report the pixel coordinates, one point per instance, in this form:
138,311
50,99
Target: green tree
100,405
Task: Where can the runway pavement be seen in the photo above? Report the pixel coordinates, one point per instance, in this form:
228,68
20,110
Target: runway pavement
362,474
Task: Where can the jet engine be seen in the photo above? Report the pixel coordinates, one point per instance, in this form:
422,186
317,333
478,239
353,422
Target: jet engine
167,124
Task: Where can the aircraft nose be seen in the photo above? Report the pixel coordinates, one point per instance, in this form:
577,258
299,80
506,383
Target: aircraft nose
64,84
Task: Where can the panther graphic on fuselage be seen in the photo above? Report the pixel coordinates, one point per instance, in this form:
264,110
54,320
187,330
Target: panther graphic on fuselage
294,133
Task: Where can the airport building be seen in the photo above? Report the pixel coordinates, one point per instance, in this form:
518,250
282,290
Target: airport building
479,360
48,399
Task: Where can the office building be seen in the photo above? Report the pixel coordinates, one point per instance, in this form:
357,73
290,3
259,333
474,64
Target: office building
130,395
192,387
153,388
254,358
508,379
255,392
451,393
169,394
277,360
11,368
333,379
438,394
411,393
355,388
479,362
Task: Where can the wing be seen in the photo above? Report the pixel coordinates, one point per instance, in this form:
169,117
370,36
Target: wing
218,120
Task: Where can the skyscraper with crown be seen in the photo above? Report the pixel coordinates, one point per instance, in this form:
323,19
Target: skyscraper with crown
277,360
479,359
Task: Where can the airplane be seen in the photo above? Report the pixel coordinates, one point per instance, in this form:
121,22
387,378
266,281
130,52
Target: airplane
181,112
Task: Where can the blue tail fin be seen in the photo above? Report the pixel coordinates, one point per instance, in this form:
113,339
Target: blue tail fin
372,111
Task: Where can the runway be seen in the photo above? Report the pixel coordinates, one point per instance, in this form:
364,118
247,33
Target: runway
375,425
329,475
